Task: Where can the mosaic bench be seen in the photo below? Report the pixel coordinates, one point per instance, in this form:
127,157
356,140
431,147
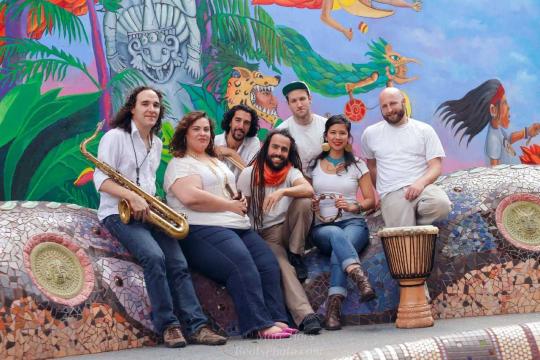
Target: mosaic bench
503,342
68,287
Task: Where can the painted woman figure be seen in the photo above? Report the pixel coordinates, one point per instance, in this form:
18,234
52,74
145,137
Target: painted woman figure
363,8
484,106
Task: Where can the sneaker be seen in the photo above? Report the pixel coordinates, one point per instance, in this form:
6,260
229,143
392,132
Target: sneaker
173,338
311,325
206,336
298,263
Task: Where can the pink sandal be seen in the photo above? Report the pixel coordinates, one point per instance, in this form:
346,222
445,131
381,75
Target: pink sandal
274,336
289,330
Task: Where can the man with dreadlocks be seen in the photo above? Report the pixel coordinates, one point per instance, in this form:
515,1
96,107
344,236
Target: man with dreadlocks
279,199
486,105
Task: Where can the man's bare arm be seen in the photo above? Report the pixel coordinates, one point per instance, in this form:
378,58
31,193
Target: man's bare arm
372,166
224,153
301,189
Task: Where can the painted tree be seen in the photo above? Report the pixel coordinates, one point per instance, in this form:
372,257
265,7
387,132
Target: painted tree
59,17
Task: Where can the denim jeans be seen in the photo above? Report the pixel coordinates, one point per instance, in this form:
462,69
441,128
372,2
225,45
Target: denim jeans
342,240
166,274
242,261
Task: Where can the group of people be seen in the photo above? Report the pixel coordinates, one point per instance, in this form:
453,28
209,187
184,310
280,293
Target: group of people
251,206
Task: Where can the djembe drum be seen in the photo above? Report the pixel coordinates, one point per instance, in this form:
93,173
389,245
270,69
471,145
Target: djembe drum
409,252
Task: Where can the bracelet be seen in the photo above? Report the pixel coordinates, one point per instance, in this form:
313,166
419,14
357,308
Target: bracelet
360,209
525,132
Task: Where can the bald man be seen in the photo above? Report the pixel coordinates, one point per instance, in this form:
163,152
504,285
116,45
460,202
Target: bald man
404,157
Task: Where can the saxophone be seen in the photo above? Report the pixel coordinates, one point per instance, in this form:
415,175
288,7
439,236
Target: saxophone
172,223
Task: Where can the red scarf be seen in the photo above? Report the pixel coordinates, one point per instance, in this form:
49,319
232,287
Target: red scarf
272,178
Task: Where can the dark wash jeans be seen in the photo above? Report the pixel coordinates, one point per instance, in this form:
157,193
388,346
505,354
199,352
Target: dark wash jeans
166,274
242,261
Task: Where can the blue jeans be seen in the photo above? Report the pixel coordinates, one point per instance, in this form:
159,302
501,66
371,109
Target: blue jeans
342,240
242,261
166,274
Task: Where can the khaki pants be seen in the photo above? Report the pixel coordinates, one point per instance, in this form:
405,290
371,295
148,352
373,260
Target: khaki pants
291,234
431,205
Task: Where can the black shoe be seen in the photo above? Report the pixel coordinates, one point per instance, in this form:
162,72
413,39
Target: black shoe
298,263
311,325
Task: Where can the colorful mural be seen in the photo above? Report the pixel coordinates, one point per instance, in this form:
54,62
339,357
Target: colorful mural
65,65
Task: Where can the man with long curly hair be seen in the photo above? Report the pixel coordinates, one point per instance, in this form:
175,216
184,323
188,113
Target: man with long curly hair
239,140
133,148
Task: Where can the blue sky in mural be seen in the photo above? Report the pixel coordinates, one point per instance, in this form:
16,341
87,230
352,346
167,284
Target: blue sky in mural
460,44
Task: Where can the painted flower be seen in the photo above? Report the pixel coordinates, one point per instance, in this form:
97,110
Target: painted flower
2,24
531,155
84,177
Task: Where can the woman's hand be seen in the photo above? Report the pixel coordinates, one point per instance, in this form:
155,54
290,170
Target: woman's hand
238,206
342,204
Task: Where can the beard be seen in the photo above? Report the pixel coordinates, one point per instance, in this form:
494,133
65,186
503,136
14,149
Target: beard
275,167
238,135
396,117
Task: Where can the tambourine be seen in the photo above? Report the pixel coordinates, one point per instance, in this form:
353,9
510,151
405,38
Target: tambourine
327,219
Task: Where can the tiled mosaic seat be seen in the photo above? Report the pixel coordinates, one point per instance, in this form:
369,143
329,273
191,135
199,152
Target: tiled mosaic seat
67,287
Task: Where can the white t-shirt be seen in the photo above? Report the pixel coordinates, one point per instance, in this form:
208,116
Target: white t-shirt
278,212
116,149
247,151
401,152
346,184
211,182
308,137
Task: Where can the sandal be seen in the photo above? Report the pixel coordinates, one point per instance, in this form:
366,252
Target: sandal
273,336
289,330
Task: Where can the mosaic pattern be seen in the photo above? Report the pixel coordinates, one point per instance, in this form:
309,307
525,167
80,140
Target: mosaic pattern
28,331
477,271
469,242
59,268
491,290
518,219
112,311
504,343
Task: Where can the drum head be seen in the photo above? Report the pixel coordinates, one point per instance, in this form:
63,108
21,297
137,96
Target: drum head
408,230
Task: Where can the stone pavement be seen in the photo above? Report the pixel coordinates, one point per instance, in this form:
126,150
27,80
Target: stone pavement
327,345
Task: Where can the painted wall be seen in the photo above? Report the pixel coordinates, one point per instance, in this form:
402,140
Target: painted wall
67,64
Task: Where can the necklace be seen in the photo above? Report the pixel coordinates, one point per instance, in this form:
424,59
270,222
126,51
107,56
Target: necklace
333,161
137,165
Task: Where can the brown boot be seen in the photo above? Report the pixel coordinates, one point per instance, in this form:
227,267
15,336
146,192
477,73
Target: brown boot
332,320
173,338
362,282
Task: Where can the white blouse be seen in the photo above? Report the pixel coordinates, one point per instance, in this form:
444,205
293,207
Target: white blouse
213,181
346,184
